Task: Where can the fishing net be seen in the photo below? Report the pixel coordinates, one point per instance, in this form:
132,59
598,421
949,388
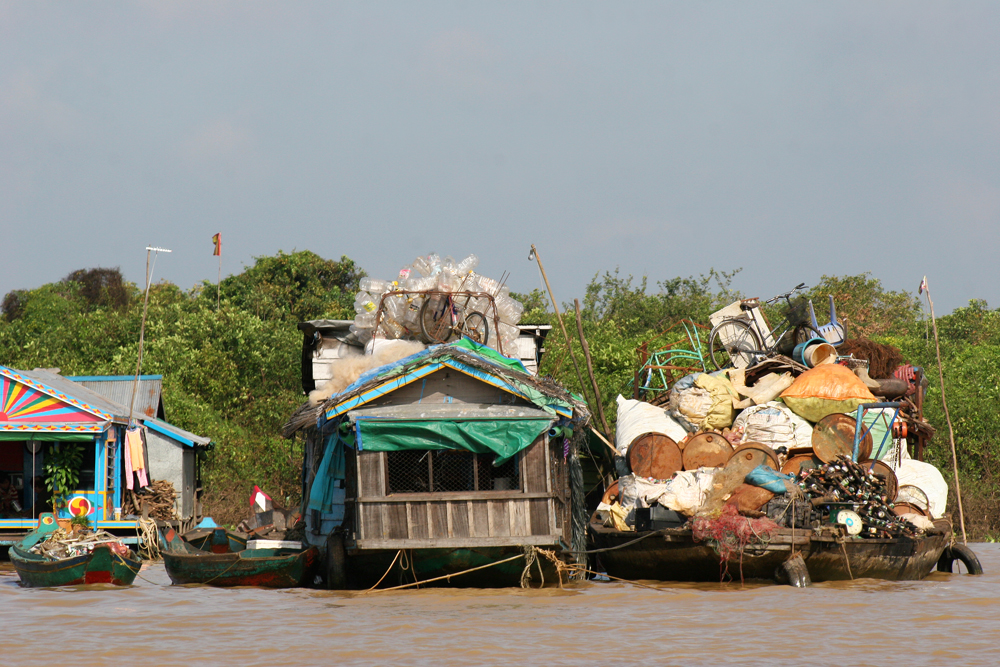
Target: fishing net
731,534
882,359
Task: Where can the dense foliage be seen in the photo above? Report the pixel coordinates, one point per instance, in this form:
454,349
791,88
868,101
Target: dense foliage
232,372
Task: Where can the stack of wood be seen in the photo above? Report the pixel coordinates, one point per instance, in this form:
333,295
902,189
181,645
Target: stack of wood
157,499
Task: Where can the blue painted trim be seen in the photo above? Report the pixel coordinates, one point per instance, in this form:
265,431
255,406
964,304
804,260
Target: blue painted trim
381,390
117,500
109,378
170,434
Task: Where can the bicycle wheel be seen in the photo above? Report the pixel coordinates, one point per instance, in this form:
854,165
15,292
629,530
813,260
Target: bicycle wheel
733,343
477,328
804,333
435,319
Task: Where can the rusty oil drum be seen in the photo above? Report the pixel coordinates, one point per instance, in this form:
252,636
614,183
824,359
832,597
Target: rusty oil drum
654,455
887,475
804,461
752,454
833,436
748,498
706,450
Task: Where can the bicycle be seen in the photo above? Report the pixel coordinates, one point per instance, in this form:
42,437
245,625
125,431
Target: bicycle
743,340
441,319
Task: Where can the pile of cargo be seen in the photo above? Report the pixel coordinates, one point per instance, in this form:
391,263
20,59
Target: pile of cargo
436,300
779,440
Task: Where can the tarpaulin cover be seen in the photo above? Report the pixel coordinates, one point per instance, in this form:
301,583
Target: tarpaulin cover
331,467
48,437
505,438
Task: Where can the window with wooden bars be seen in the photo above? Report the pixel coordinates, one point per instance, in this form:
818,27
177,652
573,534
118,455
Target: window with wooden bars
437,471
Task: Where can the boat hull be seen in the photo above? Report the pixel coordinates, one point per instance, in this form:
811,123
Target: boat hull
367,567
674,555
268,568
102,566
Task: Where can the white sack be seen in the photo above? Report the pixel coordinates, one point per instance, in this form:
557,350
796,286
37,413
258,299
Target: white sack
929,480
687,491
774,425
637,418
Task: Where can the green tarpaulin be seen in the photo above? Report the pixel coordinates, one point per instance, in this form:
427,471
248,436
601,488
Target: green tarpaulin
47,437
503,437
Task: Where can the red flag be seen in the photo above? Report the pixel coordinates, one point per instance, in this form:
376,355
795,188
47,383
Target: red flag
217,240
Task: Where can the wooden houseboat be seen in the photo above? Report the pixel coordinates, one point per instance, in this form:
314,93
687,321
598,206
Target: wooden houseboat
452,459
41,410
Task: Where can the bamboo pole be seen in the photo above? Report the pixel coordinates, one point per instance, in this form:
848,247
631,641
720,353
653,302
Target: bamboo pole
590,369
947,415
555,306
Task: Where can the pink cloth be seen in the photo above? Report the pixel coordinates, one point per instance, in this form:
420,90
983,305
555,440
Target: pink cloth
134,459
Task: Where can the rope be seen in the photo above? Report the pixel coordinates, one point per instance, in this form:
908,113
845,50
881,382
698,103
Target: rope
388,570
529,560
149,543
847,561
445,576
662,531
135,571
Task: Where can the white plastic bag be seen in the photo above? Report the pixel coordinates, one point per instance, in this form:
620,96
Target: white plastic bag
636,418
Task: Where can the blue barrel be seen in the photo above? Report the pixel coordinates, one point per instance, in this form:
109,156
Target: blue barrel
799,353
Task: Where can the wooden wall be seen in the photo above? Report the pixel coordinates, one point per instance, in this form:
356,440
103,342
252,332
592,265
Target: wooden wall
538,513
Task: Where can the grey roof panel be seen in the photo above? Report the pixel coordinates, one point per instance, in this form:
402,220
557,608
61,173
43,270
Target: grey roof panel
118,389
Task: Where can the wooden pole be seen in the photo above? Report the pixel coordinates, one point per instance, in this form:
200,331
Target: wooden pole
590,369
555,307
947,416
218,285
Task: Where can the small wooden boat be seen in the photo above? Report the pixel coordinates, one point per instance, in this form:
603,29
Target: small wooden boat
269,568
108,562
215,540
672,554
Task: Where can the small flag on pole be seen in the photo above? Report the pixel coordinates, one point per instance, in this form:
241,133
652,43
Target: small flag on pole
217,240
923,286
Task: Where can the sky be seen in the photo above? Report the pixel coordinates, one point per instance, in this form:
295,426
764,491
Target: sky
664,139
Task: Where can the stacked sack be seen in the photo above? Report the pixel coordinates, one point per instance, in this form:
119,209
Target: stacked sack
400,318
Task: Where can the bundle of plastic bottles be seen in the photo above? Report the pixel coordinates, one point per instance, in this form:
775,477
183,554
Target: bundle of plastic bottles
457,290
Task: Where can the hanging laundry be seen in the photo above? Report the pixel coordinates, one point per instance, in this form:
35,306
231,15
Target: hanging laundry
134,459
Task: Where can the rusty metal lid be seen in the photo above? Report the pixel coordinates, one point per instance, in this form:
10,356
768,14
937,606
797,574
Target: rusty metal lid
706,450
899,509
796,464
752,454
833,435
612,494
887,475
654,455
748,497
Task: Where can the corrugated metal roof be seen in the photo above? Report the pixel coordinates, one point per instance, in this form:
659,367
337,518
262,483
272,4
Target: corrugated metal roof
81,393
177,433
118,389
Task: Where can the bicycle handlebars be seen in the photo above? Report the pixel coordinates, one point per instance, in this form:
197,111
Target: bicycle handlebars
800,286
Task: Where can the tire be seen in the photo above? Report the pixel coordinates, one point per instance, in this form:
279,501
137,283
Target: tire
962,553
335,565
477,328
744,345
435,319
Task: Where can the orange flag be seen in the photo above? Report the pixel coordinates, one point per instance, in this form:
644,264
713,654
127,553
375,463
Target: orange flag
217,240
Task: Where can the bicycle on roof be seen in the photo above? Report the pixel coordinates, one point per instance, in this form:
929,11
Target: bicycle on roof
742,337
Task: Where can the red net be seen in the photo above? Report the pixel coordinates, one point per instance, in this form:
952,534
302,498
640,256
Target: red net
731,533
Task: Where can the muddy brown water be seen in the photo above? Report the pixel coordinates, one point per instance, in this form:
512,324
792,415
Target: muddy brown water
946,619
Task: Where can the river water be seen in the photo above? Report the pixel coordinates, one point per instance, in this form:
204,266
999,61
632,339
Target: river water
946,619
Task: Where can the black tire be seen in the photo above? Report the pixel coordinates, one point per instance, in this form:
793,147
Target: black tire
335,566
477,327
962,553
744,345
435,319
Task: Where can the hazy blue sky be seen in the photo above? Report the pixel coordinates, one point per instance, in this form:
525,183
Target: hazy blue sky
791,139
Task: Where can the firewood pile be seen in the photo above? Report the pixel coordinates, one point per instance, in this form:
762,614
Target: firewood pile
158,497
